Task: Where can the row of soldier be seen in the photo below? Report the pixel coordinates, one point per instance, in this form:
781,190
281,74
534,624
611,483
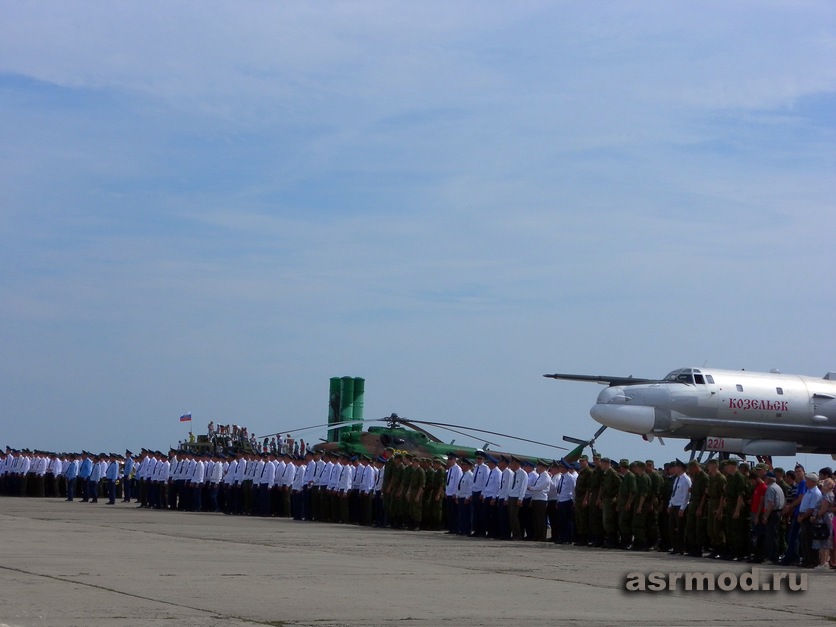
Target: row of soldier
684,508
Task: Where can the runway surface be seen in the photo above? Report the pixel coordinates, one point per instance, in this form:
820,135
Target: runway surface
77,564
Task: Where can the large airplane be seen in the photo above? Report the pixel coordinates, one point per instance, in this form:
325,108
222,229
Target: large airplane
727,411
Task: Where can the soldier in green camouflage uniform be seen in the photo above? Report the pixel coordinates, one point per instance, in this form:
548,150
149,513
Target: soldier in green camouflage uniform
652,528
388,475
414,497
582,485
662,516
626,495
596,520
744,520
641,505
733,509
695,524
437,499
393,475
715,494
429,492
610,485
402,506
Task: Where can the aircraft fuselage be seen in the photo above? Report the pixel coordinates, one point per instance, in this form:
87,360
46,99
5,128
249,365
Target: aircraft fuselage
735,411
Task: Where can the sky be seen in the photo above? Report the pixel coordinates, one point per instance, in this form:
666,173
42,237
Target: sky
214,208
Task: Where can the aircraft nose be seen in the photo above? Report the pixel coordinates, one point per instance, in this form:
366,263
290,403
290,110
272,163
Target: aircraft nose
613,410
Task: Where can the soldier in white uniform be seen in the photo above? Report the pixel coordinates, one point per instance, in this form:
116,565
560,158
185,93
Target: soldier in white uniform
464,496
214,478
480,478
516,493
228,487
503,531
451,487
297,489
93,481
265,481
489,494
377,492
344,481
539,498
310,466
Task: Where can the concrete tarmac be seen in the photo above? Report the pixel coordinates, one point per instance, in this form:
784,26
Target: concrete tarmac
79,564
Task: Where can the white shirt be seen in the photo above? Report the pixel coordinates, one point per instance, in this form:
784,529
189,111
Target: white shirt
323,473
345,476
298,479
480,476
180,468
553,488
268,474
519,484
566,486
454,473
288,475
378,478
229,477
358,476
334,477
506,477
540,490
367,481
216,473
492,484
161,471
310,471
465,488
681,491
199,469
240,471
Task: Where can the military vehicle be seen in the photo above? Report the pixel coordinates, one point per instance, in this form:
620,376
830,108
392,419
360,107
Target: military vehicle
348,432
218,444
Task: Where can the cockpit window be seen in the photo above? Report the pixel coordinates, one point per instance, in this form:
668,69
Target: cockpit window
698,379
683,375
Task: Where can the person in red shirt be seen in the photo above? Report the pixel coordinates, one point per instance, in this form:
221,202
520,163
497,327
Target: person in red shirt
758,526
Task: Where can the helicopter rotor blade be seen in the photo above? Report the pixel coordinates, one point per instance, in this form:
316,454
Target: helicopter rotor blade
417,428
430,436
569,438
503,435
327,427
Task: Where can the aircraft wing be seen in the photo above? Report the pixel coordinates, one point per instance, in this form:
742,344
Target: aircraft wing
631,380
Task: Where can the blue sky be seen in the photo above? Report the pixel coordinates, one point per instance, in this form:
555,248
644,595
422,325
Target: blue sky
217,210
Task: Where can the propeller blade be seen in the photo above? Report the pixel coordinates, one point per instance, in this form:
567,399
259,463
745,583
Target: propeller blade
599,432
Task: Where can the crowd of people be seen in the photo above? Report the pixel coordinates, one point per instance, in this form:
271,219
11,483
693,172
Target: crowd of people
722,509
223,438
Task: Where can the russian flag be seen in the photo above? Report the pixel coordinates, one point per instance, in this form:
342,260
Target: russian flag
186,417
